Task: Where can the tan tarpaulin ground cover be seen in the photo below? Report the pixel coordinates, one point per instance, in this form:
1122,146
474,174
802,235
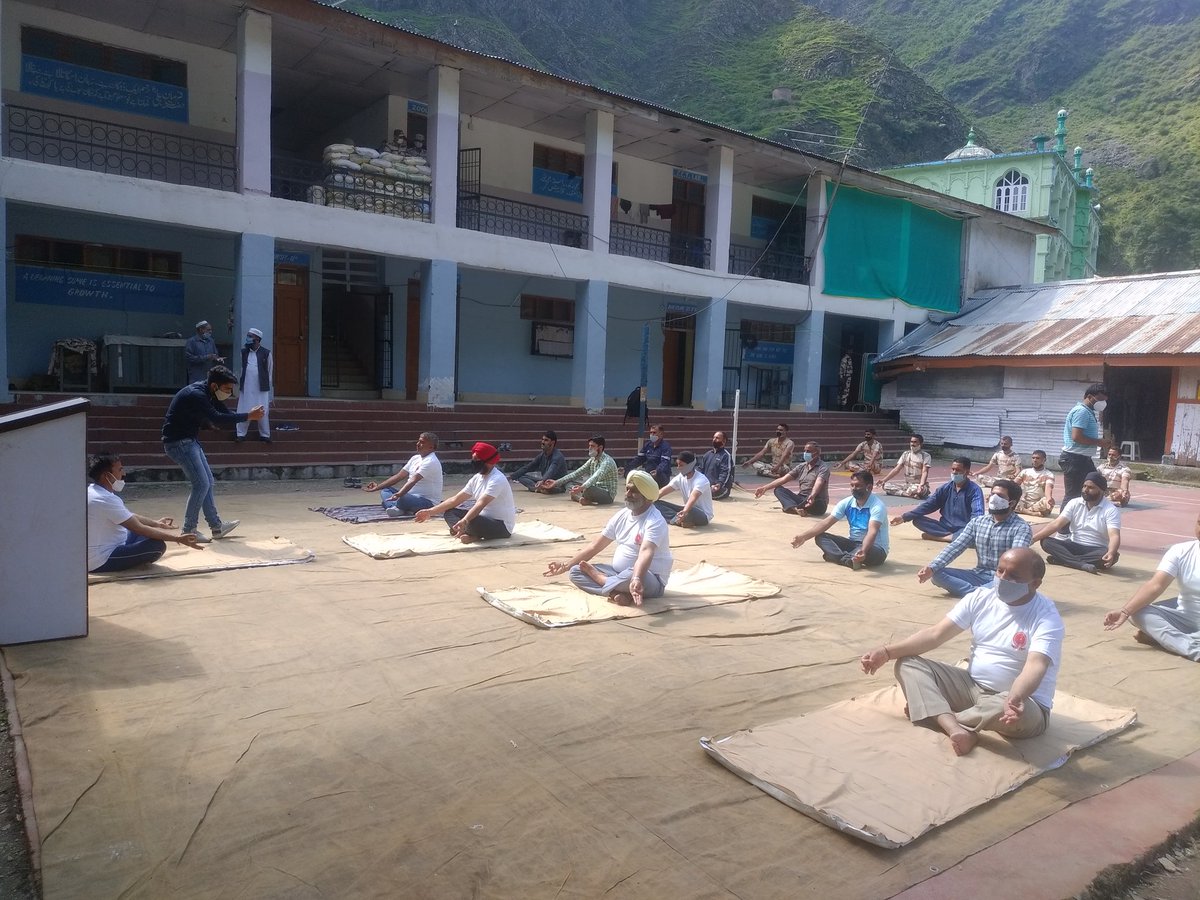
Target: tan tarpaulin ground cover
858,766
352,728
235,552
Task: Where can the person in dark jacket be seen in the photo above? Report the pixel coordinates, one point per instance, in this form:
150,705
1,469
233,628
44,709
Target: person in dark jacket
655,458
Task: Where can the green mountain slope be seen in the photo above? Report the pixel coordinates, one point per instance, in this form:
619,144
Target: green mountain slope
901,79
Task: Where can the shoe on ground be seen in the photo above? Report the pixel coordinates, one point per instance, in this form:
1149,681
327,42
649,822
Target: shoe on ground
394,511
201,537
224,528
855,563
265,440
239,439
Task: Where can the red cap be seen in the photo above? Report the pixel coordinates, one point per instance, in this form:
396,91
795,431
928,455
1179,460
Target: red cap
485,452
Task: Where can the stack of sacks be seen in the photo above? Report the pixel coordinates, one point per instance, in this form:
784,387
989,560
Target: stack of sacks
398,178
402,167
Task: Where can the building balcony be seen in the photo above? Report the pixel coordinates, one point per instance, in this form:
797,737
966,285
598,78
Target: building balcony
115,149
642,242
528,221
315,182
777,265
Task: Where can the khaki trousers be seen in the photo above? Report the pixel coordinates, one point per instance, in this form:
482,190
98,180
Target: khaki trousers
933,689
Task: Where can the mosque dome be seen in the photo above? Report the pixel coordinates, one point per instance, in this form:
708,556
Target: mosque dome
971,150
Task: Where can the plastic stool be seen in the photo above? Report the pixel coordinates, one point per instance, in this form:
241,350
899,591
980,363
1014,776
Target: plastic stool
1131,451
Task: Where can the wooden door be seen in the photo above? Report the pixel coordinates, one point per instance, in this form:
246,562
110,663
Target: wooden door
412,340
687,223
291,331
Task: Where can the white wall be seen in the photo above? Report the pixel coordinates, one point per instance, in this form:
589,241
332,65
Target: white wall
212,74
997,256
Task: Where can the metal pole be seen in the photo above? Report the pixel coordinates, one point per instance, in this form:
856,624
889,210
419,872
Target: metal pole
645,378
737,404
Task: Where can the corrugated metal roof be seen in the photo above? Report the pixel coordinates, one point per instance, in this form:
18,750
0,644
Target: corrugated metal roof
1136,315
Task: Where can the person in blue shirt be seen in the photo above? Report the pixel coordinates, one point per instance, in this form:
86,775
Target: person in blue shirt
656,457
1081,437
866,515
958,501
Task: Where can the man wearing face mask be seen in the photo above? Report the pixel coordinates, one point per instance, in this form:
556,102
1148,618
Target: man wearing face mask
1081,435
197,406
717,466
258,367
641,562
492,513
866,515
200,351
593,483
1016,649
694,487
655,457
811,497
780,449
991,534
118,539
1095,530
958,500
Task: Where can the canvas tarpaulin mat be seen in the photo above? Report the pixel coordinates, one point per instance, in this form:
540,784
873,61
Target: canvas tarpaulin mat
215,557
361,514
395,546
560,604
861,767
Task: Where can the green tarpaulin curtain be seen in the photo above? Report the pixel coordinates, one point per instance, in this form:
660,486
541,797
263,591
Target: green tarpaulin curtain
881,247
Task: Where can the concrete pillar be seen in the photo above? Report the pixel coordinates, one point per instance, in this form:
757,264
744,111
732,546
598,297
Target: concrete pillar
889,333
710,354
806,364
597,177
253,292
718,208
439,331
442,143
316,293
5,298
591,344
254,102
818,208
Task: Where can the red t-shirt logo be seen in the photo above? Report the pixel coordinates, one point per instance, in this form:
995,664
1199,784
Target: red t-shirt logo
1020,640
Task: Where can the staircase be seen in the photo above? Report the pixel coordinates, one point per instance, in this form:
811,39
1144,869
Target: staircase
350,379
325,438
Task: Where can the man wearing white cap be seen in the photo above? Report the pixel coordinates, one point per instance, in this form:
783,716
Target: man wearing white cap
200,351
257,369
641,563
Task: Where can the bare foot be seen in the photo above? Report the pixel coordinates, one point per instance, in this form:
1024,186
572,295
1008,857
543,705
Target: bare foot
584,501
467,538
1142,638
621,598
593,573
963,742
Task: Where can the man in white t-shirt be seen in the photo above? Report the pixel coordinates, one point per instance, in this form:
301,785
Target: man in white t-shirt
422,477
641,562
1095,530
117,538
1016,650
1174,624
696,490
492,514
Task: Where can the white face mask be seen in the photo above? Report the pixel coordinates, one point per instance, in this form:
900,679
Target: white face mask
224,393
1099,406
593,454
118,485
996,503
1011,592
687,468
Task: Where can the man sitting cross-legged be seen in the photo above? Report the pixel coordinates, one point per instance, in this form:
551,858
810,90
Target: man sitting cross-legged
811,497
696,490
997,530
958,500
549,464
641,562
492,514
1016,649
915,461
421,477
594,482
1095,524
866,515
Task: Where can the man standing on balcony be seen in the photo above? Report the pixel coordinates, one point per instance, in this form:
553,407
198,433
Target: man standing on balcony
201,352
257,369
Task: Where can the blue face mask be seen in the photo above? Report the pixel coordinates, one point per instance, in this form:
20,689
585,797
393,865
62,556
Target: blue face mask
959,477
655,438
807,456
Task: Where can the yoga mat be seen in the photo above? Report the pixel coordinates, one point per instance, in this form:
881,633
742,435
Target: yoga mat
229,553
395,546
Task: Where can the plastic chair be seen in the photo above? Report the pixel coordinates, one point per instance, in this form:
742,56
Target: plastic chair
1131,450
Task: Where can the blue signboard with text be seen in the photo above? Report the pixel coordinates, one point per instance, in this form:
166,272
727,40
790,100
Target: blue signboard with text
548,183
770,353
98,290
96,87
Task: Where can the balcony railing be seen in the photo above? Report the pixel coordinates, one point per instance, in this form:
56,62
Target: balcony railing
778,265
314,182
98,146
628,239
512,218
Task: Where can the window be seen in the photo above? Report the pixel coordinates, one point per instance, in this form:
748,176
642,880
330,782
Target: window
776,332
552,159
1012,192
92,257
548,309
68,49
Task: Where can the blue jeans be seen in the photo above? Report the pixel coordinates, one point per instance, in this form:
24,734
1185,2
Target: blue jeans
137,550
189,456
960,582
408,503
